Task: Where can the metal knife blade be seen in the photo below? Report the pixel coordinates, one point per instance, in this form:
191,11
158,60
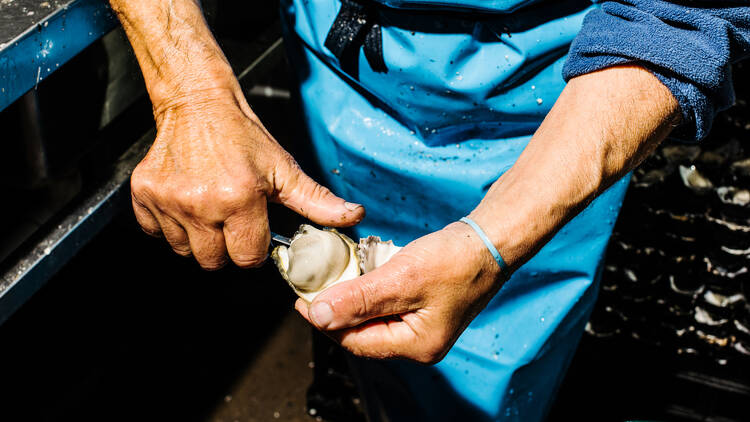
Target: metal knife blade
279,239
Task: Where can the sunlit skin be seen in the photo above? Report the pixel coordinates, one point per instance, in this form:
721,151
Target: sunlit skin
601,127
206,181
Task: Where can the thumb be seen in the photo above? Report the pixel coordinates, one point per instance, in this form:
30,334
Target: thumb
301,193
382,292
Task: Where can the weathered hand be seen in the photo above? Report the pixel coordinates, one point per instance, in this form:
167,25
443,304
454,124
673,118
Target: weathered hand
414,306
205,182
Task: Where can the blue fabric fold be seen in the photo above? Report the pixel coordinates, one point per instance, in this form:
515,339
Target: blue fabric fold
688,45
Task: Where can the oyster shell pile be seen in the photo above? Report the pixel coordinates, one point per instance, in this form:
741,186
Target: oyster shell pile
318,259
680,254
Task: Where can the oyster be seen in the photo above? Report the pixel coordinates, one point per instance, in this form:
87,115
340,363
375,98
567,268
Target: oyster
373,253
741,167
694,180
722,301
734,196
318,259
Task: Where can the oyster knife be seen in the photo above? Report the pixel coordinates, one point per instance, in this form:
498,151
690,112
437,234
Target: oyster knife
279,239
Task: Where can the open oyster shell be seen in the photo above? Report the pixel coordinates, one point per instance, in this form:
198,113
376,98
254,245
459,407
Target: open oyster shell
318,259
694,180
373,252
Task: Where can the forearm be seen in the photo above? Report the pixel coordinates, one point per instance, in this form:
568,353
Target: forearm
698,42
176,51
602,126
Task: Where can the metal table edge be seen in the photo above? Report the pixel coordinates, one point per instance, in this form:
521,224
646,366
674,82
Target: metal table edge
62,240
42,48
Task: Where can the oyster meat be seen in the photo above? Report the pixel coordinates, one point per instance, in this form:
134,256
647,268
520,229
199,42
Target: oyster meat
318,259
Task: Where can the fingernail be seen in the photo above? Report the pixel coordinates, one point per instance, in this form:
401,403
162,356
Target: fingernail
321,314
351,206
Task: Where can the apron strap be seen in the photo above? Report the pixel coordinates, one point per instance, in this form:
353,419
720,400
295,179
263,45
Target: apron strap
356,26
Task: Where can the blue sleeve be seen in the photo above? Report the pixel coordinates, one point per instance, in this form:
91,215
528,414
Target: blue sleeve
689,45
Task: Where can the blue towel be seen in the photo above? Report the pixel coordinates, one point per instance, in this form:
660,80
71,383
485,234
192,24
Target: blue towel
688,45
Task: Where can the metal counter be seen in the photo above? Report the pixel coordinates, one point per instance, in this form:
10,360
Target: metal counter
37,38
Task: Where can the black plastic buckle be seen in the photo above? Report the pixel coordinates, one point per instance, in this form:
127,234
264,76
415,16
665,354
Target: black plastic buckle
355,26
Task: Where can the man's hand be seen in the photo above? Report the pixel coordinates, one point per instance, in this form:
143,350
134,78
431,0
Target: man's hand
213,166
414,306
205,182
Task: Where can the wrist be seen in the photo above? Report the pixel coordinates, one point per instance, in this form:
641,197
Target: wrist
200,100
176,51
517,227
210,84
477,255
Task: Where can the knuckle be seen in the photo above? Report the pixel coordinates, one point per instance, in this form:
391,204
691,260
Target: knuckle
210,254
183,251
286,174
232,196
141,181
187,196
412,268
195,202
151,231
353,301
359,299
246,248
286,164
179,245
211,202
138,202
212,265
319,192
249,260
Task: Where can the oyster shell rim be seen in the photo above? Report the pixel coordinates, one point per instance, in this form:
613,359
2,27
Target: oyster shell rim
352,264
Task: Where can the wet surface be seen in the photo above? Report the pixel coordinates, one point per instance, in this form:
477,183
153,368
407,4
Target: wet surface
17,16
274,385
129,331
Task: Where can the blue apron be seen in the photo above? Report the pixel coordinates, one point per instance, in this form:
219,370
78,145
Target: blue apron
418,135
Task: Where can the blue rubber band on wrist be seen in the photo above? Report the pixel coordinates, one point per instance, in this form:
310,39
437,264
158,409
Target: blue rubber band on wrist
486,240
